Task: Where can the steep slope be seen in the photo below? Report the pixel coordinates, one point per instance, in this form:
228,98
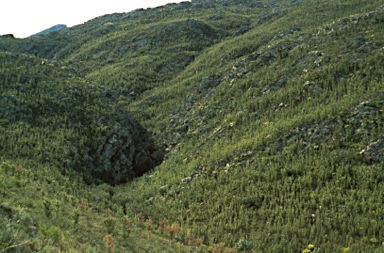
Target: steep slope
274,143
271,114
50,115
151,46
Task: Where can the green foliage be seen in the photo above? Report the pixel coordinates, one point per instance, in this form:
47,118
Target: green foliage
243,245
50,234
271,114
79,118
110,225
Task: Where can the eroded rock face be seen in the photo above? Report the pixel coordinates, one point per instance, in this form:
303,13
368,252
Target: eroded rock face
124,150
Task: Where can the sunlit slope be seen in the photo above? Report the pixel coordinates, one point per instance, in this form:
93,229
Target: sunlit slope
282,139
270,114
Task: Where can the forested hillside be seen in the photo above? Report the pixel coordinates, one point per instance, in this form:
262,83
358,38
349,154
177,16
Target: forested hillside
205,126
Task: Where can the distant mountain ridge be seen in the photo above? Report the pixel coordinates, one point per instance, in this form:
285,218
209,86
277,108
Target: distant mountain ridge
54,28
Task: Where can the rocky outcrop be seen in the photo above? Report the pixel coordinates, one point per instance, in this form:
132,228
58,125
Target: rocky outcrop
354,127
77,127
374,150
123,151
188,117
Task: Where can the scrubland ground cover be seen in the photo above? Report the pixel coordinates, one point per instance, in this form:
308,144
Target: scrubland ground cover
261,129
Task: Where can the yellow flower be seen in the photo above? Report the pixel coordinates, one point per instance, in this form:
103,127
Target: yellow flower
373,240
345,250
311,247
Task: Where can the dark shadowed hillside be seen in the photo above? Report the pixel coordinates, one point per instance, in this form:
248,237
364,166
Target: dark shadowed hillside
204,126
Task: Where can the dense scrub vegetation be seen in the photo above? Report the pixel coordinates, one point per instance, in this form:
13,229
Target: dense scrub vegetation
270,115
50,115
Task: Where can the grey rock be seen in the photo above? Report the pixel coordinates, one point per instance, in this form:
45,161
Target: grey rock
243,29
276,86
124,151
374,150
266,58
266,17
186,180
360,40
208,83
